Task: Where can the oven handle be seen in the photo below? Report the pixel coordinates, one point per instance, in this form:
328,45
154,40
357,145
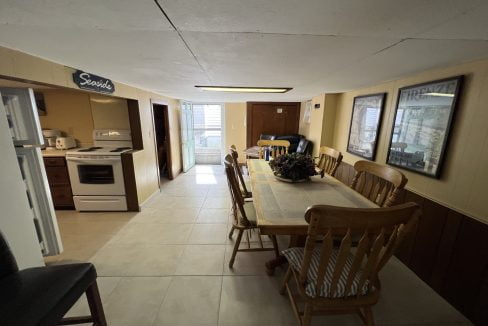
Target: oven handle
93,160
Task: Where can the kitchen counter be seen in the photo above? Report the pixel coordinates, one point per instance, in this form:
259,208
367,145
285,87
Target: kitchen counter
55,152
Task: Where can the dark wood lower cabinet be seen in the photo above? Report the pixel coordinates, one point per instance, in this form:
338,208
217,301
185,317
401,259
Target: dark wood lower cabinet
448,251
58,178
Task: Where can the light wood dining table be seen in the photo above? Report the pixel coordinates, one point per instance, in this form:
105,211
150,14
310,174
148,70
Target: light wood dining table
280,206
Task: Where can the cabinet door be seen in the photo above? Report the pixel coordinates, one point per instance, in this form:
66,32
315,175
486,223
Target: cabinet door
22,116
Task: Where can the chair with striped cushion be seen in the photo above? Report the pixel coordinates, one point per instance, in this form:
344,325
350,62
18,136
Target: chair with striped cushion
344,279
244,215
243,184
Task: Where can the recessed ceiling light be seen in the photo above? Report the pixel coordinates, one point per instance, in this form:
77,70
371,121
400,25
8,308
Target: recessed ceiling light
245,89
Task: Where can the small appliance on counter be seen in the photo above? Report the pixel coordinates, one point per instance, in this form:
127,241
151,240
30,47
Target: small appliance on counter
65,143
50,136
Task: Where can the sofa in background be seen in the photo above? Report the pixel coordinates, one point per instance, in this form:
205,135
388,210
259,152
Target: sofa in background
298,143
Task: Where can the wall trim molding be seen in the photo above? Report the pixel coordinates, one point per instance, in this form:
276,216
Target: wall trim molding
148,199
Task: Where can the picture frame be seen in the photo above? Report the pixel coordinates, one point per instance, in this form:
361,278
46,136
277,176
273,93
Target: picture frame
422,124
366,116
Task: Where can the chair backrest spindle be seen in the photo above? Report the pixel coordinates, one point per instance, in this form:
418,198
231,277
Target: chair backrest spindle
235,156
235,192
380,231
379,183
277,147
329,161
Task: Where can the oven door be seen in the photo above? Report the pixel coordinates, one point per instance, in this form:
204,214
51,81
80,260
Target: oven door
96,176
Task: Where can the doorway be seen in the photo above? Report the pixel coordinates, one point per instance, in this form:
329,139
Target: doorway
162,140
207,129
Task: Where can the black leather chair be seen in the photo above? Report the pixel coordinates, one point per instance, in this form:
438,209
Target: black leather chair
267,137
294,139
41,296
305,147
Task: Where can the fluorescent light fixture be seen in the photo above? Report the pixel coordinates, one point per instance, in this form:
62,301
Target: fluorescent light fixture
245,89
440,94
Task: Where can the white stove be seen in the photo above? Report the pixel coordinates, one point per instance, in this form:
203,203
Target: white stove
96,175
98,151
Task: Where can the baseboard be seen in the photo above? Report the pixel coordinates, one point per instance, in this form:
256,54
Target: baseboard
154,194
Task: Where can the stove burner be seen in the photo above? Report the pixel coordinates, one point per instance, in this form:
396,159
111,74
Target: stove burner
90,149
119,149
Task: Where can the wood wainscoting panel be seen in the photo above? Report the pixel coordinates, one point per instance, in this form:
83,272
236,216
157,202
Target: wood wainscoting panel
467,273
404,252
426,244
448,250
445,249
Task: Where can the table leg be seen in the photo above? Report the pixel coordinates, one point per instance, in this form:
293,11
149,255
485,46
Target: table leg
295,241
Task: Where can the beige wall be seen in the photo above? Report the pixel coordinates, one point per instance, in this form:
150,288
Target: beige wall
463,182
320,130
313,131
20,65
109,113
70,112
77,113
303,127
235,127
328,122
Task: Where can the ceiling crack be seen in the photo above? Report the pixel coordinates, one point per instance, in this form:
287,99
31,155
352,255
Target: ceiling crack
183,40
390,46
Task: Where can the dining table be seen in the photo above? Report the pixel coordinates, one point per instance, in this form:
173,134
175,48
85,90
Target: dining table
280,206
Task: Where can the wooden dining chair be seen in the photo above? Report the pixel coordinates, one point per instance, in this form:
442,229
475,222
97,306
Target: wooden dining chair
244,215
379,183
243,184
344,279
277,147
329,161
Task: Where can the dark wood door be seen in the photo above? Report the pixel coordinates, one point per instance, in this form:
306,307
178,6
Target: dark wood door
271,118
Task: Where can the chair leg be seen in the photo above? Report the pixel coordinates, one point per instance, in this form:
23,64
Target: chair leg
368,315
95,304
307,315
231,233
259,239
285,280
236,247
275,246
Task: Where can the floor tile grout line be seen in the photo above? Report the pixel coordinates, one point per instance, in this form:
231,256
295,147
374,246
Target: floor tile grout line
162,301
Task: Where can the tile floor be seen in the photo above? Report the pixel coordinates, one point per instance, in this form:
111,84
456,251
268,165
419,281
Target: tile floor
167,265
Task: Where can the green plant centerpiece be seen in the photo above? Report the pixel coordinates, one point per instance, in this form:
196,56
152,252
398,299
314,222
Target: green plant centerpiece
294,167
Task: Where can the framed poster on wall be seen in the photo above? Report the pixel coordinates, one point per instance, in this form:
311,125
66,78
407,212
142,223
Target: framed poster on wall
421,126
365,123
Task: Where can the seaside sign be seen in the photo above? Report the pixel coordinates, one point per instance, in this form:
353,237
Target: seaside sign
91,82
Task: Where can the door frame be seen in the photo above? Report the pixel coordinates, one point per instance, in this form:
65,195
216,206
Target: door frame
169,158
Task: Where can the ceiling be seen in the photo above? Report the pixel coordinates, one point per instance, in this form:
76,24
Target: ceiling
314,46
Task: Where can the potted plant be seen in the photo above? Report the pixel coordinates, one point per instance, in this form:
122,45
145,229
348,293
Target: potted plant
294,167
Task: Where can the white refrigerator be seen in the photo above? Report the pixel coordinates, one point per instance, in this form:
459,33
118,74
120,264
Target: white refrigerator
27,216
